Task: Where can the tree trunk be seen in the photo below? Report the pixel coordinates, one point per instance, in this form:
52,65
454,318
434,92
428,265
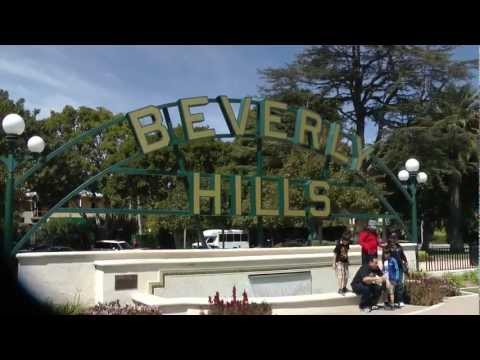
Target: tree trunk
320,231
454,232
380,131
356,91
361,128
428,229
177,239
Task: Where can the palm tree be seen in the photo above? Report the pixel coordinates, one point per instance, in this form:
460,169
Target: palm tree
454,116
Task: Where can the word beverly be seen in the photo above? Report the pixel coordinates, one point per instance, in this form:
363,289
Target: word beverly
308,127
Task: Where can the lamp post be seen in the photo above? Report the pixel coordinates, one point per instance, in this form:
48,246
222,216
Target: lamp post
14,126
412,176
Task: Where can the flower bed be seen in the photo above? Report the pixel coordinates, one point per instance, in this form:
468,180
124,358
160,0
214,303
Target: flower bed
114,308
236,307
111,308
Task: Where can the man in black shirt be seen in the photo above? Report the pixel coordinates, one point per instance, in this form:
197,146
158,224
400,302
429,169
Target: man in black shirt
367,283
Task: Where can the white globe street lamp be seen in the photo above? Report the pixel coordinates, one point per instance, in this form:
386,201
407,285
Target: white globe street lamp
403,175
36,144
413,177
422,177
14,126
412,165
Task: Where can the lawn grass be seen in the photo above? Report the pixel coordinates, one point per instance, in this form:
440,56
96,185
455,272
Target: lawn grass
465,279
69,308
439,236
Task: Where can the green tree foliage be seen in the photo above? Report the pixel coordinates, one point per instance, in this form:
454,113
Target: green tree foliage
80,235
444,139
73,167
377,83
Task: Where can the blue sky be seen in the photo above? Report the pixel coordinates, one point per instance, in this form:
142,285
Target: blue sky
124,78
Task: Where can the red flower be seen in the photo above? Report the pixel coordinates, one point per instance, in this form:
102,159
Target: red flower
245,297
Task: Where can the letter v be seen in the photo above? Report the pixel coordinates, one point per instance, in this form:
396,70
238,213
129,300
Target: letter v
238,125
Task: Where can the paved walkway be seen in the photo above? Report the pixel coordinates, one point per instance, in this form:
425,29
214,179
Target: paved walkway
331,310
459,305
346,310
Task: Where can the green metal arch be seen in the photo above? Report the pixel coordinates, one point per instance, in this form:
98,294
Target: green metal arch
74,192
116,120
380,197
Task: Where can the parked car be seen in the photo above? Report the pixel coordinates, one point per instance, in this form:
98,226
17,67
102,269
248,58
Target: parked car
112,245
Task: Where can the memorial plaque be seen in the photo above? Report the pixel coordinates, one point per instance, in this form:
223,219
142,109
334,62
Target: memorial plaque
126,282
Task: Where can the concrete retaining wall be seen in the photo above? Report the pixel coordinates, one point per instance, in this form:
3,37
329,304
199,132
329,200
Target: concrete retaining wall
90,275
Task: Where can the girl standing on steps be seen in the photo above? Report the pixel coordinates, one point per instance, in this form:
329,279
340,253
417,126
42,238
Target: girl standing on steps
340,261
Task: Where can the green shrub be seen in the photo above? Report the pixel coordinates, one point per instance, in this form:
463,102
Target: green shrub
161,239
465,279
147,241
119,227
457,280
439,236
422,255
472,277
68,308
77,233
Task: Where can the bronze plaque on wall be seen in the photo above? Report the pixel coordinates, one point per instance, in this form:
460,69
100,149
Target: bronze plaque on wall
126,282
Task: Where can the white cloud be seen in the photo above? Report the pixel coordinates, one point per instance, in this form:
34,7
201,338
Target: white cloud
29,72
123,78
48,85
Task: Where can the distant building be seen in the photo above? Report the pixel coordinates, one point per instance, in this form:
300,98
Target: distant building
85,199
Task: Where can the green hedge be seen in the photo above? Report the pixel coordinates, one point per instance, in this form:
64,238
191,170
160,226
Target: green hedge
158,240
77,233
422,255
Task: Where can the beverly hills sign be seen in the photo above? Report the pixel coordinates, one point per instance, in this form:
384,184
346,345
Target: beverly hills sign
309,127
